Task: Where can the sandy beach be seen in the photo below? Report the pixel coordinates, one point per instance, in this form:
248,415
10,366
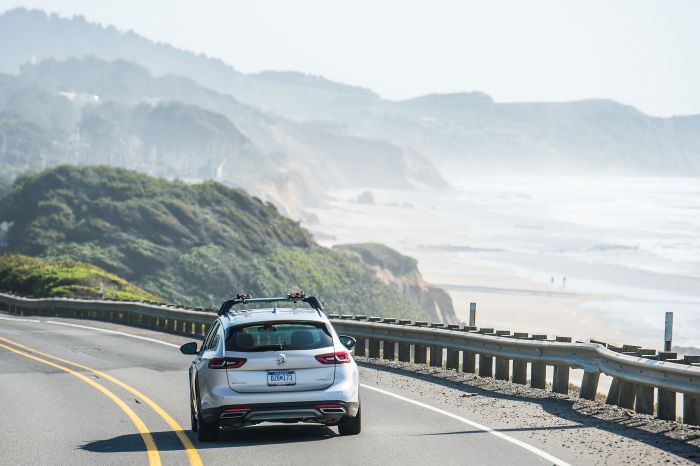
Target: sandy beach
506,297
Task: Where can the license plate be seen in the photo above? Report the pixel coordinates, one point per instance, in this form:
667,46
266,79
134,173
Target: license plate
281,378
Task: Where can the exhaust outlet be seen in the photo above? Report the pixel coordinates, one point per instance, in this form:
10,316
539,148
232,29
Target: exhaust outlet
235,413
333,410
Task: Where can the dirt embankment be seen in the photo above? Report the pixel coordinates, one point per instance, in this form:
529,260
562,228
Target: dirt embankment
395,269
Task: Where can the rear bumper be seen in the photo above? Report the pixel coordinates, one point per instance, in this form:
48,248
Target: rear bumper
215,397
322,411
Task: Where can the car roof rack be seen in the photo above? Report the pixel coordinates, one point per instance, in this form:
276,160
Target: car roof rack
293,297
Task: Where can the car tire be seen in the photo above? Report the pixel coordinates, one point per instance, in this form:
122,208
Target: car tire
194,422
193,417
351,425
207,431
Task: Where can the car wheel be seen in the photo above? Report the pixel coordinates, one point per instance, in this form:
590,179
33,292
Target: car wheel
350,425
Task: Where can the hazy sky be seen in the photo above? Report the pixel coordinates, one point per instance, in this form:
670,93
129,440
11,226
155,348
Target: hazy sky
641,52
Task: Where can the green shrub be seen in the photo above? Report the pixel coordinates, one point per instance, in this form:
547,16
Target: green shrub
192,244
36,277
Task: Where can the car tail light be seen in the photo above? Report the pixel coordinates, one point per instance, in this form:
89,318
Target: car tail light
226,363
329,406
237,410
341,357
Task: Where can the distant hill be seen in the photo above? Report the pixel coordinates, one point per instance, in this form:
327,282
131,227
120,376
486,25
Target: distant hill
188,243
459,133
95,112
35,277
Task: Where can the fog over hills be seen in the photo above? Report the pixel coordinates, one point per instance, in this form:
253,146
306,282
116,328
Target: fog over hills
86,110
467,131
94,112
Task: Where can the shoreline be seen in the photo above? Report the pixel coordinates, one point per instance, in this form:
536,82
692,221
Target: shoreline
506,298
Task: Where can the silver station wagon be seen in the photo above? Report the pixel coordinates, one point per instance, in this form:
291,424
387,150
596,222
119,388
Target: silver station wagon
278,364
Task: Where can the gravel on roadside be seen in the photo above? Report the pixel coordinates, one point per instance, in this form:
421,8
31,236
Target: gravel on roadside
597,432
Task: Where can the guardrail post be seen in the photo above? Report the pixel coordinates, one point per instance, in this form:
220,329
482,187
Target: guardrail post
419,351
519,371
388,347
502,364
468,357
436,351
613,392
691,404
589,385
452,359
419,354
404,352
520,365
389,350
560,382
436,356
373,351
666,399
404,348
486,361
502,369
361,344
485,365
627,389
691,409
627,394
538,370
644,402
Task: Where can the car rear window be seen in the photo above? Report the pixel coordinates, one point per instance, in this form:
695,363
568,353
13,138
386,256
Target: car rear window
276,336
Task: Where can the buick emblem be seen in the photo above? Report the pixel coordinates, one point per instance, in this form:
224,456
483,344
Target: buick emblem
281,359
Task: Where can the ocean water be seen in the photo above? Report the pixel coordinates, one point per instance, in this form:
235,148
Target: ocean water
633,241
649,224
631,245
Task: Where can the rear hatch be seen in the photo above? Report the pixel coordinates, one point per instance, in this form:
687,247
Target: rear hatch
280,357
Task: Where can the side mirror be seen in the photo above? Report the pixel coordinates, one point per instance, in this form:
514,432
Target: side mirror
348,342
189,348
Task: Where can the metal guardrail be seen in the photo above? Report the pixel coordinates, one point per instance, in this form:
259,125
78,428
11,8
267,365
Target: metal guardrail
635,375
590,357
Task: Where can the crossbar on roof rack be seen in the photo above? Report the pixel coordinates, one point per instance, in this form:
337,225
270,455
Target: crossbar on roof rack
294,297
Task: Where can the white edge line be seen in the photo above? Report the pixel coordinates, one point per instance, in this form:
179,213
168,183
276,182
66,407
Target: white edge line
498,434
19,320
153,340
456,417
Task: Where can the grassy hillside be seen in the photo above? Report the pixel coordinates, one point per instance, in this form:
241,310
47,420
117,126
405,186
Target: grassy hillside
36,277
196,244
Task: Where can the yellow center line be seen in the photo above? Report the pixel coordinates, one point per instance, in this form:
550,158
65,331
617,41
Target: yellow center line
151,449
192,453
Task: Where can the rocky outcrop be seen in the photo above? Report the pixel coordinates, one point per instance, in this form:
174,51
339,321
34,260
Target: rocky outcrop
395,269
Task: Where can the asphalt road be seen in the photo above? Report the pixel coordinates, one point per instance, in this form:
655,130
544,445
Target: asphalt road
131,392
